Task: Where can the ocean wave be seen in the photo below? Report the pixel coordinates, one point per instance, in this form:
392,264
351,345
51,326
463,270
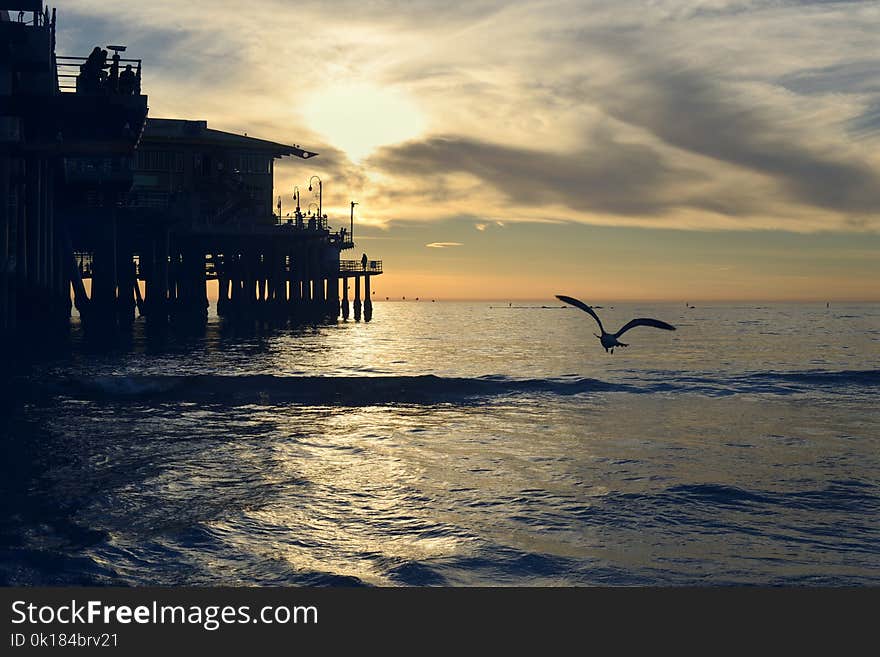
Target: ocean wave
769,382
431,389
823,377
839,495
321,390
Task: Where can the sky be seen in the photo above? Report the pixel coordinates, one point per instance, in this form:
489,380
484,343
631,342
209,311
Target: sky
607,149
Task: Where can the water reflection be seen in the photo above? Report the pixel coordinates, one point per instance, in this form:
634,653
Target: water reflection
676,463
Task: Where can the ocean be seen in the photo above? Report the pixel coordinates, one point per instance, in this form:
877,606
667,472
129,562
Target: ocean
451,444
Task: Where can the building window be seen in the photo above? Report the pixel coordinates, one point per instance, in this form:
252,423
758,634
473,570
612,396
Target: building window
159,161
252,164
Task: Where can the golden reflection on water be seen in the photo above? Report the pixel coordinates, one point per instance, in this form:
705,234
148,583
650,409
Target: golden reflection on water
360,507
732,482
388,486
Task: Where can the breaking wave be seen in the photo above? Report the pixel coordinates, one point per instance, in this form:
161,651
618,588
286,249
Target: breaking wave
430,389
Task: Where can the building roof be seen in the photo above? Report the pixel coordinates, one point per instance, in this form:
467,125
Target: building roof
198,132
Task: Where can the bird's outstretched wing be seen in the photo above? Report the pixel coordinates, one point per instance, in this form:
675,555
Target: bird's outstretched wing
580,304
644,321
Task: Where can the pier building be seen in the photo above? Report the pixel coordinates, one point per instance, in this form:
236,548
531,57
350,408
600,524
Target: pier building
136,214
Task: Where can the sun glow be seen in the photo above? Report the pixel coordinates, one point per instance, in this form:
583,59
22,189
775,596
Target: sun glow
360,118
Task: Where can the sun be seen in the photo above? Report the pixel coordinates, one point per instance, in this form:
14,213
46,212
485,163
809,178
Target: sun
359,118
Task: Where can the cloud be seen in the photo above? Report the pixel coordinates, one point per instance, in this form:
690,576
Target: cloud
443,245
629,179
661,141
688,110
676,113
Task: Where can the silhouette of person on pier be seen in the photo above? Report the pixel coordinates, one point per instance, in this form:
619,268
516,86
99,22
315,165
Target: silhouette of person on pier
93,61
364,261
127,81
113,77
91,72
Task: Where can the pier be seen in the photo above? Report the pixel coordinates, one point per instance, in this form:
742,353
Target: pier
135,214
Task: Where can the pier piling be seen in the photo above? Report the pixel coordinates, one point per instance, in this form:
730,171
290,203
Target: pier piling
368,302
345,306
357,298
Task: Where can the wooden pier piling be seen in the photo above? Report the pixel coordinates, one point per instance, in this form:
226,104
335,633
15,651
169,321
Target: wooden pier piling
345,306
368,302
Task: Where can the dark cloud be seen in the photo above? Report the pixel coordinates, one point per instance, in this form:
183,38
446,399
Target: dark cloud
694,111
605,175
853,77
750,6
391,10
334,165
861,76
684,109
615,178
689,110
867,124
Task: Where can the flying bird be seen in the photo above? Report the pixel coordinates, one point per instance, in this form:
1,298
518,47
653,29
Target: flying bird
609,340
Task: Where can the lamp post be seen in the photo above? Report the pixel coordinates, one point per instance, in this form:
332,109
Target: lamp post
320,201
351,228
298,214
313,219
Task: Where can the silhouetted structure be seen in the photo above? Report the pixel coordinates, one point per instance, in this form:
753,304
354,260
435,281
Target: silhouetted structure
201,206
47,137
95,190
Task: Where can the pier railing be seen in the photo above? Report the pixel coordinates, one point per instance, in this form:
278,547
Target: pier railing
356,267
69,71
306,223
341,241
84,263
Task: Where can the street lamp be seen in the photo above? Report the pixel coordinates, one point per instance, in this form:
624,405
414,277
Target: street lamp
313,223
320,201
351,229
298,214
